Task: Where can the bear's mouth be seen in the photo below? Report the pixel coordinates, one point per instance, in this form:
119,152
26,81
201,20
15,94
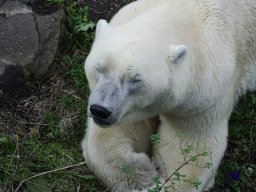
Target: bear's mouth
101,122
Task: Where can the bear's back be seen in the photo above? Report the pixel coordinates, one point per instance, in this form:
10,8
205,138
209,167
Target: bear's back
243,15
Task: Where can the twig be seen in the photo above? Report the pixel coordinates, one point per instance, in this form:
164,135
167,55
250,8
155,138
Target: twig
182,165
78,189
47,172
31,123
162,161
73,95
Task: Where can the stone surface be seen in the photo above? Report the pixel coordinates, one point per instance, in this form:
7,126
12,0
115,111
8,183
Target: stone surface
48,27
18,34
28,41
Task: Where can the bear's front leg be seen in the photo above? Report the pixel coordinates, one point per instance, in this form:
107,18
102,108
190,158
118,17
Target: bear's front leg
120,156
188,158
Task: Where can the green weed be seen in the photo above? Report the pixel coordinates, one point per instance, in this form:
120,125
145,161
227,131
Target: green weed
78,33
58,2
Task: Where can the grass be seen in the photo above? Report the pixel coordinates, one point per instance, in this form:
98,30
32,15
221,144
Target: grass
238,169
43,132
47,135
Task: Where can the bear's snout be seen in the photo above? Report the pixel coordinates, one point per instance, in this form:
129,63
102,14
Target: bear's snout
101,115
99,111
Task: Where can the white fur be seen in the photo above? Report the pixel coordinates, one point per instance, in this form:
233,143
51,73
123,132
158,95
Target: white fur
102,25
167,66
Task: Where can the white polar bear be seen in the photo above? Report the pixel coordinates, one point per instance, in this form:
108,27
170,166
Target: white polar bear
172,67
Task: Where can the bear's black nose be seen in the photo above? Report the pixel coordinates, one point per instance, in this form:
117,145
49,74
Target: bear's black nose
99,111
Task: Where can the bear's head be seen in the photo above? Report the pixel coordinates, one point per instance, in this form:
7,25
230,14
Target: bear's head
130,76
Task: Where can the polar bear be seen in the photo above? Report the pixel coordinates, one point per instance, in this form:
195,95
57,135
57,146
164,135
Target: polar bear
171,67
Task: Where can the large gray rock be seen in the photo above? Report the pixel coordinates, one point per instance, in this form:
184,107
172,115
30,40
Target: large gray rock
48,28
19,37
28,40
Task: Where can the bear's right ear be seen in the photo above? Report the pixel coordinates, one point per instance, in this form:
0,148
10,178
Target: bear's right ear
177,53
101,26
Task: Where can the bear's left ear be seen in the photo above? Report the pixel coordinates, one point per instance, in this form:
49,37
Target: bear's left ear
101,26
177,53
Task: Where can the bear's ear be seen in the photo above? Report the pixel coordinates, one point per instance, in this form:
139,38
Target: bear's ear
101,26
177,53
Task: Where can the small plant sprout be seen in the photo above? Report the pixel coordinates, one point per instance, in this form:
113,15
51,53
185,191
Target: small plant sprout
155,138
186,150
127,169
157,186
196,183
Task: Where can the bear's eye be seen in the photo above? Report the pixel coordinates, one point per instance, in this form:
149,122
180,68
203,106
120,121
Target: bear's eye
135,79
99,69
135,83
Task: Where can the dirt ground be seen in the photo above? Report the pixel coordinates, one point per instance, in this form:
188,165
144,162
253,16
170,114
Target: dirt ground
104,9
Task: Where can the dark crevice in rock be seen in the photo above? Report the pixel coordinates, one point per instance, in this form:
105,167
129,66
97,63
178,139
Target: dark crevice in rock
12,86
33,65
43,7
2,14
2,2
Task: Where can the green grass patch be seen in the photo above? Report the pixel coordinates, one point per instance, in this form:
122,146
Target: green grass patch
72,69
238,169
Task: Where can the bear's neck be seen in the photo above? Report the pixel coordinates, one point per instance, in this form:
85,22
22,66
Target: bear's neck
183,119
